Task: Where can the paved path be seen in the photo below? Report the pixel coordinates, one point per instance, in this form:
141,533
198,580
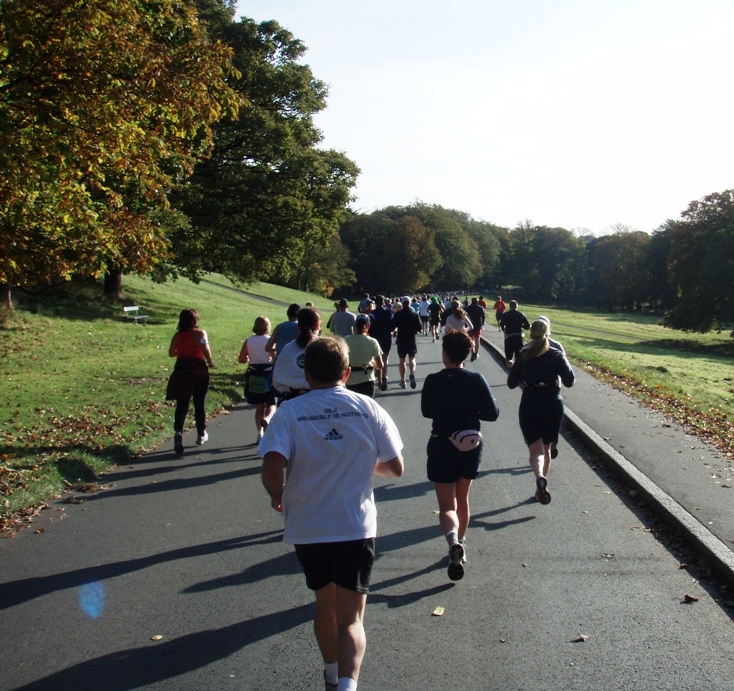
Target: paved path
689,482
189,550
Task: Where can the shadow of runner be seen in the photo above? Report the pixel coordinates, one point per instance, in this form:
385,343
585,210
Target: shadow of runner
139,667
282,565
16,592
395,601
173,484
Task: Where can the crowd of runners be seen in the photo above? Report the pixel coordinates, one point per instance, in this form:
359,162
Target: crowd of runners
330,442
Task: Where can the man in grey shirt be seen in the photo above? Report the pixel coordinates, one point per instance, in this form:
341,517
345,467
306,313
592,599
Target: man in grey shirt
342,322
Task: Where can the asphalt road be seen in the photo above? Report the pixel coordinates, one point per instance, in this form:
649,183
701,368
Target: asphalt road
574,595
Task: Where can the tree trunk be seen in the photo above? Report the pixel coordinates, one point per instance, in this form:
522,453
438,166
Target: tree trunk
6,296
113,284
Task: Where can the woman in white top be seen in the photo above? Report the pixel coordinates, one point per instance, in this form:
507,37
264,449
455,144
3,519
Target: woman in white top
457,320
289,379
258,378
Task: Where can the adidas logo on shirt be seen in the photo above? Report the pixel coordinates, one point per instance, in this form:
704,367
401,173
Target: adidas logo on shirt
333,435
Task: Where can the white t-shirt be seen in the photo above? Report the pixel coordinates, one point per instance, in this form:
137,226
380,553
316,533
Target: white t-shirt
288,372
331,439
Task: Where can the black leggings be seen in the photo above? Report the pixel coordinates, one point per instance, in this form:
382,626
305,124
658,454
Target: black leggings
200,386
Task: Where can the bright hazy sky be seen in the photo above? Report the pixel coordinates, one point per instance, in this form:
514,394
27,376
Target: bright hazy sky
571,113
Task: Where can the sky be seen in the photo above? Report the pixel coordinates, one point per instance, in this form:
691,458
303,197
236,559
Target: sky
582,114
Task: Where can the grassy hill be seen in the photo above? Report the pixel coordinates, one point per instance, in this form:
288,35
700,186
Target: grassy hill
85,387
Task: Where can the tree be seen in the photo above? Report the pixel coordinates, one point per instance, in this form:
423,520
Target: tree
659,289
107,103
701,263
390,256
540,261
267,194
617,269
323,268
460,263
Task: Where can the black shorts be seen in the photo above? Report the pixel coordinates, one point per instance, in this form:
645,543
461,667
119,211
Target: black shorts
513,346
541,418
347,564
447,464
385,343
424,318
409,350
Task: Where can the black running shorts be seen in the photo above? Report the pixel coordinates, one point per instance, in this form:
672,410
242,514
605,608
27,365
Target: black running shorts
347,564
408,350
447,464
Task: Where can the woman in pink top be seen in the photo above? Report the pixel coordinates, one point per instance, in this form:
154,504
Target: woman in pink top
259,376
190,377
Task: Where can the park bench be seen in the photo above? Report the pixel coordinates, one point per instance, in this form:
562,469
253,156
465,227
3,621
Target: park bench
133,312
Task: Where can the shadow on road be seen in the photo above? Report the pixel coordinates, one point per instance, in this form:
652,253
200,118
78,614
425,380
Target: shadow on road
139,667
16,592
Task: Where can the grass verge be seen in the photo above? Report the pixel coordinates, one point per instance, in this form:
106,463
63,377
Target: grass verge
85,387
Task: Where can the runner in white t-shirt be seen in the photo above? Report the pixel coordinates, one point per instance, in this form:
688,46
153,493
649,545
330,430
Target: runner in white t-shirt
331,441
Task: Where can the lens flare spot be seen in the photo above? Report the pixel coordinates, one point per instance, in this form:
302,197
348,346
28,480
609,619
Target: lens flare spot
91,599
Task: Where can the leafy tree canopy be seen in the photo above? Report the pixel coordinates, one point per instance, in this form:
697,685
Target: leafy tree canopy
107,103
701,264
459,262
267,194
390,255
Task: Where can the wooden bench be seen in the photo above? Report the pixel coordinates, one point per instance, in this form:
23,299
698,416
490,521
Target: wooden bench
133,312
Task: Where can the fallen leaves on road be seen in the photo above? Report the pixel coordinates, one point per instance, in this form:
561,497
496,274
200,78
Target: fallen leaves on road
689,599
157,637
582,638
438,612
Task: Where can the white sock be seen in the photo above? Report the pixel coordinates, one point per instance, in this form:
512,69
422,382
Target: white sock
331,672
451,537
346,684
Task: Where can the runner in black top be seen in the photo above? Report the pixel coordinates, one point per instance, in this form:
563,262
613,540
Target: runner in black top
541,407
456,400
512,323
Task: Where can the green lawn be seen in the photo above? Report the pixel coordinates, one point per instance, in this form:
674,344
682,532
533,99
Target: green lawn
85,386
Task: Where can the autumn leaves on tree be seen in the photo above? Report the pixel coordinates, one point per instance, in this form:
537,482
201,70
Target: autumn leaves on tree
107,107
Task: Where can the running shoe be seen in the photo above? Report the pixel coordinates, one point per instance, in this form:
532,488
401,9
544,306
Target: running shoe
328,686
456,566
178,443
402,383
473,357
554,451
542,493
202,438
412,382
383,384
463,544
